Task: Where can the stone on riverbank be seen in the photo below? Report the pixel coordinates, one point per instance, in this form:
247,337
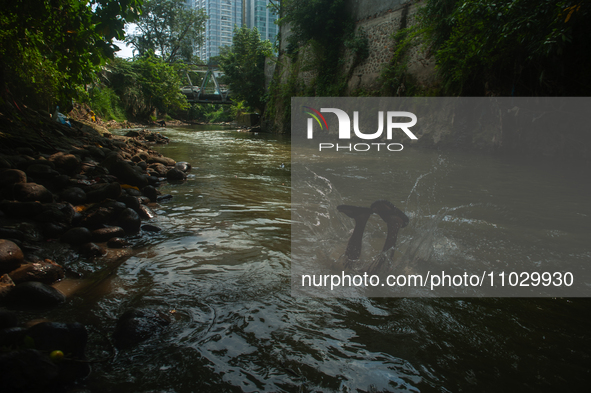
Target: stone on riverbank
45,271
130,221
175,175
137,325
105,234
11,256
33,294
77,235
30,192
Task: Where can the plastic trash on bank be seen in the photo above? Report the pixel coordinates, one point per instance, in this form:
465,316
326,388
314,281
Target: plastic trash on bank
60,117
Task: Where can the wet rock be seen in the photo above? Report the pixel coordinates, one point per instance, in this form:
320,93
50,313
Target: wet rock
133,192
70,338
33,294
183,166
26,151
15,209
6,285
98,217
77,236
92,250
117,242
163,198
111,191
29,192
137,325
4,163
104,234
155,180
46,272
150,228
27,370
53,230
96,152
11,256
129,220
9,233
158,168
12,336
8,319
175,175
129,174
145,212
12,176
150,192
74,195
131,202
66,163
41,171
161,160
57,213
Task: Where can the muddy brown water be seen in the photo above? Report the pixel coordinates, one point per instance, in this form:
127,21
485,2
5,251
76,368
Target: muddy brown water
221,265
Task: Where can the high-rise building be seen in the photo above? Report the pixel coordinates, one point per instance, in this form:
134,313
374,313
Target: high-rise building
225,14
258,15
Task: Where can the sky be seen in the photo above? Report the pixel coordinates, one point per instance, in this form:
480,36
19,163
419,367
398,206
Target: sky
125,51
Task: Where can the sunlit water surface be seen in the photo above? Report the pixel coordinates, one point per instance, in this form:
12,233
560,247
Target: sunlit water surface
222,266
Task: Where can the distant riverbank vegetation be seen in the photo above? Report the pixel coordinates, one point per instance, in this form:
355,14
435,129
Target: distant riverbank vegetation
54,53
480,47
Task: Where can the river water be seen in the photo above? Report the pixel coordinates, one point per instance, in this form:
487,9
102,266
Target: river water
221,265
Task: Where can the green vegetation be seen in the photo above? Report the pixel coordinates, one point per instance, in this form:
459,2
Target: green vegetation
107,104
146,85
511,47
244,67
322,26
171,29
48,49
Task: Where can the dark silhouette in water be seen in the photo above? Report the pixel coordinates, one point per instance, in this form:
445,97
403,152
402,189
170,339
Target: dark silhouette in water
395,220
360,215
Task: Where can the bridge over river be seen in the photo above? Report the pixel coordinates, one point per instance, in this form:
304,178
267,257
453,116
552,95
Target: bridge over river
210,91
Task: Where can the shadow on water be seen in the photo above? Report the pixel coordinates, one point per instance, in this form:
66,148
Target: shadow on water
221,266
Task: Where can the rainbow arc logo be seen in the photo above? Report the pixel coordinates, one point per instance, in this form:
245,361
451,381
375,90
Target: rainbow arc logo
316,115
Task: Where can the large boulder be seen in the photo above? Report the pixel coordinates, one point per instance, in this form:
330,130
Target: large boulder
11,256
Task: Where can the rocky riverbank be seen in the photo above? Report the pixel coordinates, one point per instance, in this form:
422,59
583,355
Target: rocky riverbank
86,192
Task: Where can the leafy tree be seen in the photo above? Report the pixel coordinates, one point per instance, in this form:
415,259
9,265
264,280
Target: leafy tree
145,85
244,66
48,48
169,28
325,25
521,47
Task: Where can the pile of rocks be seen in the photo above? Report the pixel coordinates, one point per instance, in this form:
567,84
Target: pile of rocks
80,186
